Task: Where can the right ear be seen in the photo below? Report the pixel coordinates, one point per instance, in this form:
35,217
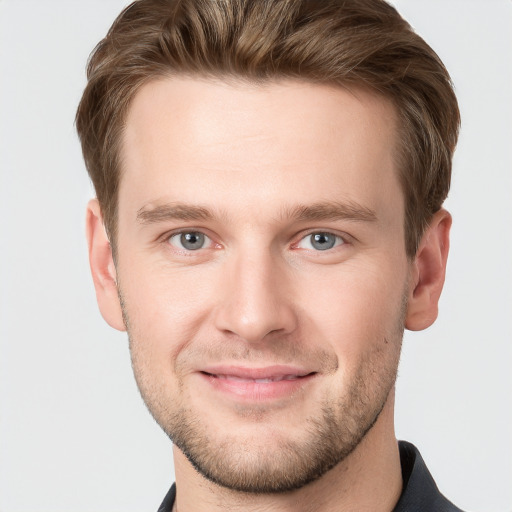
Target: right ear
102,267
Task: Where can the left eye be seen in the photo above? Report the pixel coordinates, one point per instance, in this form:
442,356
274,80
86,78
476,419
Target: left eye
190,240
320,241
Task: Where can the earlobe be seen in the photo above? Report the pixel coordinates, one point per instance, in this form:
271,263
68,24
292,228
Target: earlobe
428,273
102,267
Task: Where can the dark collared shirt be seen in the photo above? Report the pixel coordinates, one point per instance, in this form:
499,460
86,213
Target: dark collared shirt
419,493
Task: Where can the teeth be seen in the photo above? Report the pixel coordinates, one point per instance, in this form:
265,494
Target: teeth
259,381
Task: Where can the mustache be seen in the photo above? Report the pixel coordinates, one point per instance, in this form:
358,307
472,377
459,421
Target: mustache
266,353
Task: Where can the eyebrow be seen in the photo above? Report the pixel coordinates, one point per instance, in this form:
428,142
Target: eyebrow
331,210
172,211
322,211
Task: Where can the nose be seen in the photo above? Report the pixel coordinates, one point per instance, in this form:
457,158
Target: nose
256,299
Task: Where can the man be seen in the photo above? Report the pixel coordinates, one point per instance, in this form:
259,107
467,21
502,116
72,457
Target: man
270,178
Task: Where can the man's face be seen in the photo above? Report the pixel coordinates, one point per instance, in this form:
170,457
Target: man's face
262,271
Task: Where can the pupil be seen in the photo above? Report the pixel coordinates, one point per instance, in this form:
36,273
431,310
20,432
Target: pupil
192,240
323,241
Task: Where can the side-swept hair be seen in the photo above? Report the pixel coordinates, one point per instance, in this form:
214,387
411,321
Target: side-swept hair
347,42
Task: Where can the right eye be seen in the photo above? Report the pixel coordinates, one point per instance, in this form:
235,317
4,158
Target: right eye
190,240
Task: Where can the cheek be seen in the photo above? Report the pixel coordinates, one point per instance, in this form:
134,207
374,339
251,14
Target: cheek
165,311
165,306
357,306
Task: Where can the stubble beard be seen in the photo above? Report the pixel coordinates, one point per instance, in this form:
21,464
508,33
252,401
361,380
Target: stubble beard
242,464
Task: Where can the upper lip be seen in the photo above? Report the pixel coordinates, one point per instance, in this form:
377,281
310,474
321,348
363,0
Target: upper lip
274,372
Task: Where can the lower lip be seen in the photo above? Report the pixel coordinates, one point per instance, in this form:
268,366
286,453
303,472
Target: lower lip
257,391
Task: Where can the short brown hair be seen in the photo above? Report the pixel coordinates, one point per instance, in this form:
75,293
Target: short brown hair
348,42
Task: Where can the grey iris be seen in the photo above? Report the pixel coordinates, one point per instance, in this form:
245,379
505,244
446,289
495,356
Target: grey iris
323,241
192,241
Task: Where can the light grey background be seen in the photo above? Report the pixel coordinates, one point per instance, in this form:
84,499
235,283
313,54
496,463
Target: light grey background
74,434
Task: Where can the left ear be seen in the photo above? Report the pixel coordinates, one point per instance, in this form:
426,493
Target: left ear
428,272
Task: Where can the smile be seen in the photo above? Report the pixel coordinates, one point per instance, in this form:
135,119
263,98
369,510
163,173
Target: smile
262,381
257,384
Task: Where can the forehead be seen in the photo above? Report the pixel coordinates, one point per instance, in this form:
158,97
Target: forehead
203,140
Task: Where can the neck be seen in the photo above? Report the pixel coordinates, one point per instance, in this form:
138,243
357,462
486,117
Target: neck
370,478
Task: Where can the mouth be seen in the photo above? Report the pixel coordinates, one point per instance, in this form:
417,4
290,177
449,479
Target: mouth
261,381
257,384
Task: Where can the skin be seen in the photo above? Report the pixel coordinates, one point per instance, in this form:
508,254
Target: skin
257,169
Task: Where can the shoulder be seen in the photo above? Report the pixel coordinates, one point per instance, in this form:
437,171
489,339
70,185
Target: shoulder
420,492
168,502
